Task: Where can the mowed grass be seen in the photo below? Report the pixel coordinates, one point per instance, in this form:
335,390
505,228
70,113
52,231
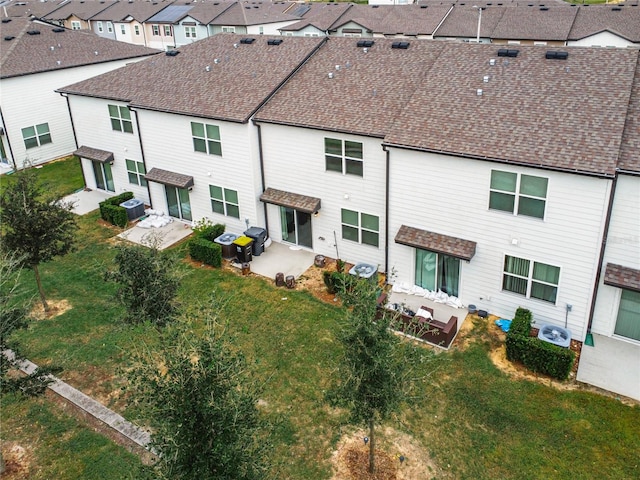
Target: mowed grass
473,420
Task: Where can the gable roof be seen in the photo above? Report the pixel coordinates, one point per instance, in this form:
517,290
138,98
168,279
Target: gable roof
621,20
254,13
28,53
319,15
535,23
28,8
138,10
231,89
557,114
79,8
170,14
364,95
463,22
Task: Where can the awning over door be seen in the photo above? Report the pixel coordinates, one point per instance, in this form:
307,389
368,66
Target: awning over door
436,242
94,154
169,178
622,277
292,200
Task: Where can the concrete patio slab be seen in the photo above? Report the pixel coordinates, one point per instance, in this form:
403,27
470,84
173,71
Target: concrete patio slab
279,257
612,365
441,311
85,201
162,237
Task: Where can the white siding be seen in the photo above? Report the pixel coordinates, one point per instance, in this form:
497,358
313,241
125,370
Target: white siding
93,129
450,196
30,100
168,145
294,162
602,39
622,248
268,28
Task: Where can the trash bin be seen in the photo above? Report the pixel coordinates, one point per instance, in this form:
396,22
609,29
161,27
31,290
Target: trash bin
243,246
259,236
134,208
226,241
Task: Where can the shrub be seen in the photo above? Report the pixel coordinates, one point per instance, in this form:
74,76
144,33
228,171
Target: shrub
112,212
207,230
535,354
205,251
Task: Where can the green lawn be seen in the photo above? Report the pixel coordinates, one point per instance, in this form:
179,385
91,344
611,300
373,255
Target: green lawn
472,419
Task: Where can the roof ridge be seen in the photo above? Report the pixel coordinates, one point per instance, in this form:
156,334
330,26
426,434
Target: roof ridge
15,42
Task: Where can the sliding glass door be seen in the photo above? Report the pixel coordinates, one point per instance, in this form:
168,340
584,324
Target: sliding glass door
436,271
103,176
296,227
178,202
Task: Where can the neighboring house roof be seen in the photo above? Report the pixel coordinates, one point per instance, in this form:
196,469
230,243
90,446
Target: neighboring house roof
253,13
78,8
630,154
27,8
319,15
550,113
171,14
192,83
49,50
205,13
535,23
623,21
395,19
365,94
138,10
462,22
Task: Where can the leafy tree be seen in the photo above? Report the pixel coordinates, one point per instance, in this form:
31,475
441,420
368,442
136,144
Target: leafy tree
201,404
37,224
376,372
148,283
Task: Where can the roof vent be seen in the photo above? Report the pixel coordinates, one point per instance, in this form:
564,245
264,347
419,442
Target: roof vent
375,6
423,6
274,41
171,53
400,45
479,92
207,68
365,43
492,61
216,61
57,30
247,41
330,75
8,38
616,9
33,32
553,55
6,20
544,9
504,52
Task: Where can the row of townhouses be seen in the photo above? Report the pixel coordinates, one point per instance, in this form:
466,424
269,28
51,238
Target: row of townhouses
170,24
503,175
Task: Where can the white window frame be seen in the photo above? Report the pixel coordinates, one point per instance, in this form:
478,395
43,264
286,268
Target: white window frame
76,25
100,27
41,135
228,29
155,30
136,29
288,34
518,195
167,31
529,279
190,31
229,208
109,27
208,140
359,228
123,29
136,170
346,160
311,34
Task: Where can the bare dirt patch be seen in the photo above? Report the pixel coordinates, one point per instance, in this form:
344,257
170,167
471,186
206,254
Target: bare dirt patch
18,459
56,308
351,458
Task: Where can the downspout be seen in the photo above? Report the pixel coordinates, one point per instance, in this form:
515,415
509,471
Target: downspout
144,34
6,134
144,162
75,137
603,245
262,180
386,214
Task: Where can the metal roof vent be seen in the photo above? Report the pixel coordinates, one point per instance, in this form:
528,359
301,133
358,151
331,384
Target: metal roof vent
553,55
33,32
616,9
216,61
400,45
274,41
207,68
492,61
6,20
504,52
544,9
330,75
365,43
57,30
247,41
423,6
171,53
485,79
8,38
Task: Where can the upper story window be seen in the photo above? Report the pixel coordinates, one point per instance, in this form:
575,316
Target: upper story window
109,27
224,201
206,138
228,29
75,25
136,29
311,34
360,227
100,27
261,30
123,29
530,279
518,193
136,172
155,30
343,156
167,31
36,136
120,119
190,32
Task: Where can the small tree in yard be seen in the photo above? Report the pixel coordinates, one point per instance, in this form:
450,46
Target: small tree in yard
196,393
376,373
148,283
37,226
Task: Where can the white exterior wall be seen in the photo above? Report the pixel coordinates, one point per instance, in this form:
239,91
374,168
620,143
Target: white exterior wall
622,248
179,36
294,162
93,129
31,100
308,30
450,196
268,28
168,145
602,39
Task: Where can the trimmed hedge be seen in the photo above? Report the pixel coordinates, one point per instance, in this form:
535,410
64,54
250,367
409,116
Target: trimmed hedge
112,212
206,251
535,354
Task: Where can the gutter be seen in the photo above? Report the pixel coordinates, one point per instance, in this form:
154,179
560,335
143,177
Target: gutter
144,161
386,213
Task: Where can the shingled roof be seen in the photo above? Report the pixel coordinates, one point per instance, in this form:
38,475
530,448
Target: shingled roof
364,96
217,77
630,153
254,13
31,8
620,20
78,8
463,22
622,277
54,48
319,15
558,114
138,10
535,23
